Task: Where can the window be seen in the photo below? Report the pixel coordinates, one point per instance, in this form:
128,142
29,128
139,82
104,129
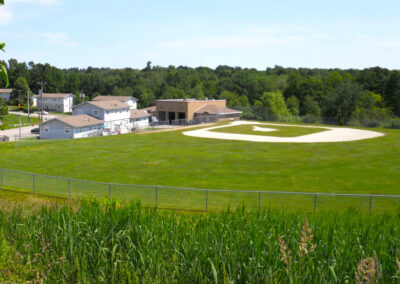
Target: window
95,112
46,129
108,112
67,130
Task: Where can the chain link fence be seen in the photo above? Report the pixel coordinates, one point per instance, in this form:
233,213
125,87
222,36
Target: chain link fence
194,199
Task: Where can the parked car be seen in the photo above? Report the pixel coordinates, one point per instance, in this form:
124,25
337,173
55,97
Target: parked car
42,112
30,111
35,130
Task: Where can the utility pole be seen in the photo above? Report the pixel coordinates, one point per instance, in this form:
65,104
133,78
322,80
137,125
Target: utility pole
19,113
29,110
41,83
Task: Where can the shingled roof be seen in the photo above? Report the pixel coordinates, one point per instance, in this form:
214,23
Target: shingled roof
55,95
107,105
6,90
112,98
211,109
137,113
77,120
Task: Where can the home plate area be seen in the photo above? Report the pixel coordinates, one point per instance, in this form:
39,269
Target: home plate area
330,134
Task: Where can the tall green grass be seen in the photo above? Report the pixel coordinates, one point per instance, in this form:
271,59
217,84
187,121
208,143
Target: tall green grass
110,242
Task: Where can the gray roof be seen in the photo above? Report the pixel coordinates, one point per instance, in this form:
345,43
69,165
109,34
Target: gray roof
106,105
77,120
6,90
55,95
137,113
211,109
111,98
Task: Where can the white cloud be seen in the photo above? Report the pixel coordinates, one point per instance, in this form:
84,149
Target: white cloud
58,38
5,16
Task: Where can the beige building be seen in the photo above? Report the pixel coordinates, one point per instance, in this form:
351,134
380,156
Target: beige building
189,109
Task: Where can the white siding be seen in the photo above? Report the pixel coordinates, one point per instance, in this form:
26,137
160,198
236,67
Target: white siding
56,104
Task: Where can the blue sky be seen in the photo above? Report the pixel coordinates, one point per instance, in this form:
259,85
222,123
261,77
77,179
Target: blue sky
257,34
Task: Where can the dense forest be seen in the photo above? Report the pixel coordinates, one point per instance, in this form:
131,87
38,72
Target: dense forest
372,93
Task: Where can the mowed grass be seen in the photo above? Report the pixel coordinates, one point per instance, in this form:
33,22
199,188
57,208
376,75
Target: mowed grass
173,159
280,131
12,120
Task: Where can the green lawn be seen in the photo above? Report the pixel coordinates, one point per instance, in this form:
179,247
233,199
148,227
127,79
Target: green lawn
12,120
280,131
172,159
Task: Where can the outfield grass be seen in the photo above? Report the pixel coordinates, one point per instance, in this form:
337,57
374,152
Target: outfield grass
10,120
280,131
173,159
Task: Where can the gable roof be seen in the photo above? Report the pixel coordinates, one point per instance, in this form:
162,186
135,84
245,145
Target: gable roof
77,120
6,90
111,98
211,109
106,105
150,109
55,95
137,113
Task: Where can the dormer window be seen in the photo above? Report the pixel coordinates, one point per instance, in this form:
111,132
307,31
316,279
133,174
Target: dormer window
95,112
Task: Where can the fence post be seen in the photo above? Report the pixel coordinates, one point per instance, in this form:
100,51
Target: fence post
109,190
259,201
206,200
33,182
315,203
69,188
156,197
370,204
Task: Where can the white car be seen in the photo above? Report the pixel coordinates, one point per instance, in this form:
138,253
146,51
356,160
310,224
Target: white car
42,112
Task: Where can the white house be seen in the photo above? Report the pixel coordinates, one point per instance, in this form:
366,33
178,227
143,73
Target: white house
131,101
115,114
34,100
5,94
140,118
56,102
75,126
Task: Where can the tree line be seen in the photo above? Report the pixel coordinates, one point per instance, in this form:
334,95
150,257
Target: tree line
364,94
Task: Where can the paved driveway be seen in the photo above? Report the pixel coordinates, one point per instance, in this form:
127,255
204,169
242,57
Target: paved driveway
14,132
45,117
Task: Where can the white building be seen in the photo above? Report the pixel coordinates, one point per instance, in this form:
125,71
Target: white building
34,100
130,101
55,102
75,126
140,118
115,114
5,94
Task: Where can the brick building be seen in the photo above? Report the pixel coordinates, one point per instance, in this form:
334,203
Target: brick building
189,109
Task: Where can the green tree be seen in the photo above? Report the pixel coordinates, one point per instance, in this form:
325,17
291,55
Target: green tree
3,107
19,94
3,70
197,92
310,107
275,103
392,92
230,97
293,104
